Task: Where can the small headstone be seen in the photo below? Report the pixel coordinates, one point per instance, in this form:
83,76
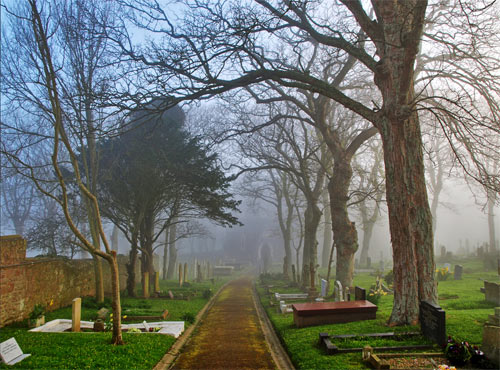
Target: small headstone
338,291
324,283
146,326
433,322
11,353
359,294
347,293
76,314
457,274
170,294
443,251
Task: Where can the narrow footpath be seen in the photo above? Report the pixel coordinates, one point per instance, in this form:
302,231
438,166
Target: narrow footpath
230,335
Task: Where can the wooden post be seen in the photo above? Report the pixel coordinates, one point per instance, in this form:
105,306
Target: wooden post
145,285
76,314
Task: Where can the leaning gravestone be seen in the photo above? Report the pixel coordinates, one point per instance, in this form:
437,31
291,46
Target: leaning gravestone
433,322
457,274
11,353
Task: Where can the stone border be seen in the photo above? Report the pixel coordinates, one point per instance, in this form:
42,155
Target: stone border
280,356
169,357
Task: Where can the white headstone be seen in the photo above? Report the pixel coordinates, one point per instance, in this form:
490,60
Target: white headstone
324,283
11,353
146,326
338,292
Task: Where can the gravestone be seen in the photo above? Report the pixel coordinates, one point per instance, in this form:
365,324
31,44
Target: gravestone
492,292
170,294
359,294
145,325
443,252
347,293
491,333
76,314
433,322
337,292
324,284
457,274
11,353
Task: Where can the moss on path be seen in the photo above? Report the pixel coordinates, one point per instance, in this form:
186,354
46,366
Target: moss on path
230,335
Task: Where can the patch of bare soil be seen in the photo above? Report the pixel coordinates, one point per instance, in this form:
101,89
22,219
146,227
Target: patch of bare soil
416,363
230,335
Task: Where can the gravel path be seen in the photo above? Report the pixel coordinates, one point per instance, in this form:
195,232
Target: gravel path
230,335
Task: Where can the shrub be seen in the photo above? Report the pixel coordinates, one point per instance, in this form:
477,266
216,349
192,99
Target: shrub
389,277
38,311
442,273
457,353
90,302
207,293
188,317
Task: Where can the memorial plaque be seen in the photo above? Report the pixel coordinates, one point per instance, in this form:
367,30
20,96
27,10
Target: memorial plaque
359,294
433,322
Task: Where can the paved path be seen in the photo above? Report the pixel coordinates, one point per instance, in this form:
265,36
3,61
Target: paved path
230,335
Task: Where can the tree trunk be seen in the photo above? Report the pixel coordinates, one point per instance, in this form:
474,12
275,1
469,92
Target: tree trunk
172,257
165,254
400,30
312,218
344,231
491,220
327,231
99,283
410,219
367,235
131,267
116,306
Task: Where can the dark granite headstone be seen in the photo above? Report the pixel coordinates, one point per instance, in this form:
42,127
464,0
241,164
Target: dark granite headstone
359,293
433,322
457,274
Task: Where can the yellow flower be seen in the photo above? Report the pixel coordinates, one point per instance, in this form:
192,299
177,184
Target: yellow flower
125,316
51,302
111,314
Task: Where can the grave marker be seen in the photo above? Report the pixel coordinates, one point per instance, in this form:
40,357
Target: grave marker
11,353
337,290
170,294
457,274
433,322
76,314
323,287
359,294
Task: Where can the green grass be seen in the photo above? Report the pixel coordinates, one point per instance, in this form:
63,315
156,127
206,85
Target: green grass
93,350
464,304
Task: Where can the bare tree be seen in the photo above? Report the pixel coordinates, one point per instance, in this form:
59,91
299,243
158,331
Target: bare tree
34,29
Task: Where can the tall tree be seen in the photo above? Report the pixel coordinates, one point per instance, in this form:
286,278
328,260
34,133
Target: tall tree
36,73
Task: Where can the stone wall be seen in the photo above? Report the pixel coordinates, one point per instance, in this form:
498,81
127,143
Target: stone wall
25,282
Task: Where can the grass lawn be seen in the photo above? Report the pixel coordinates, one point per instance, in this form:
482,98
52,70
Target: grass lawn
93,350
465,307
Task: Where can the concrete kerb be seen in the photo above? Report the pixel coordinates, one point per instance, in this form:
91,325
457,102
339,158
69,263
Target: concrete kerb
280,356
174,351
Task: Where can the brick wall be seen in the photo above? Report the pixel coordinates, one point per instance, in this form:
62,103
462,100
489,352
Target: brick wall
25,282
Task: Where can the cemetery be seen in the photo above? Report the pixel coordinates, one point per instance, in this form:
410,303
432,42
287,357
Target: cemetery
263,184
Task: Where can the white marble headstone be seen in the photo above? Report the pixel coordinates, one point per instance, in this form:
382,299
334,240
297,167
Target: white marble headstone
11,353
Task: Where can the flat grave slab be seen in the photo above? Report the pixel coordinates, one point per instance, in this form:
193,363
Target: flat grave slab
174,328
320,313
290,296
11,353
